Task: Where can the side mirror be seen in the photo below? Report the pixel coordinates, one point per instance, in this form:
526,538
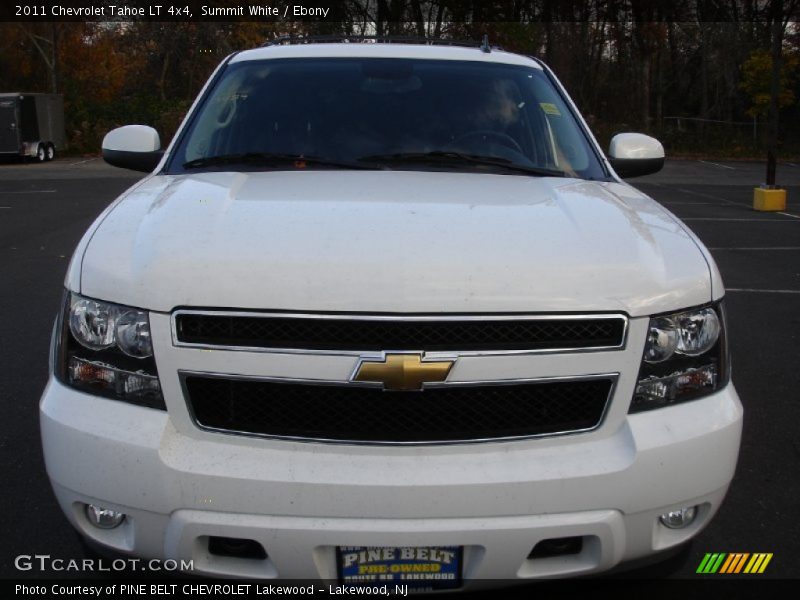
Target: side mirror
635,154
135,147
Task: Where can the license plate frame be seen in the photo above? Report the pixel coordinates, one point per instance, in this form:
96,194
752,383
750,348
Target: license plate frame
418,567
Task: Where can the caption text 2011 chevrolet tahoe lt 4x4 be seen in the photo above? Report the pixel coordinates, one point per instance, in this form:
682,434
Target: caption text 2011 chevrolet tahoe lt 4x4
387,313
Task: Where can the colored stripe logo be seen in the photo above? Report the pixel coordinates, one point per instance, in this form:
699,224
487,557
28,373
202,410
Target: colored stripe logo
734,563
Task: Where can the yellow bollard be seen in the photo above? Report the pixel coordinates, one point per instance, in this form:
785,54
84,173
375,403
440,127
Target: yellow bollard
769,199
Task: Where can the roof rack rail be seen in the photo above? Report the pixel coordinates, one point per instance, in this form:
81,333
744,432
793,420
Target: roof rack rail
286,40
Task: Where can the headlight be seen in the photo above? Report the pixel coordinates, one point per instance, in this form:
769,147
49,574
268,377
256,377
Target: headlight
106,349
698,331
685,357
689,333
92,323
133,334
99,325
662,339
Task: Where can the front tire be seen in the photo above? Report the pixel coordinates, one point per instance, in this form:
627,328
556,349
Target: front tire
41,153
50,152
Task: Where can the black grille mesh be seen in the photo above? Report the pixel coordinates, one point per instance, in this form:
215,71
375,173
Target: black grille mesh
372,335
347,412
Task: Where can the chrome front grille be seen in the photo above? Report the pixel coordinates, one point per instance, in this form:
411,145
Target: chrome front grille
326,400
424,333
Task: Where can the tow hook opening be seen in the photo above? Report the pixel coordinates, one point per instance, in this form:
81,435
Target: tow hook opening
557,547
236,548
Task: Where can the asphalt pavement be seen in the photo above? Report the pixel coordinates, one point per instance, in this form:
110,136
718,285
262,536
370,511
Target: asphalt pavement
45,208
758,255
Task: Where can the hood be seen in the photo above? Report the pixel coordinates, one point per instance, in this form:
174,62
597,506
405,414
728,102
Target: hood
392,241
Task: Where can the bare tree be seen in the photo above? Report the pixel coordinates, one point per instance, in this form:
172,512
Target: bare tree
779,16
47,47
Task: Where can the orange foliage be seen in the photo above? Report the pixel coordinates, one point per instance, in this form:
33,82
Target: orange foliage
94,63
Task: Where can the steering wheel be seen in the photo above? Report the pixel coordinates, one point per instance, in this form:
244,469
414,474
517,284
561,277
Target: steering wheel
486,134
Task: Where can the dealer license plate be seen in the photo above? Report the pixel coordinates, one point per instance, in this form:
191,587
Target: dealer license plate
429,567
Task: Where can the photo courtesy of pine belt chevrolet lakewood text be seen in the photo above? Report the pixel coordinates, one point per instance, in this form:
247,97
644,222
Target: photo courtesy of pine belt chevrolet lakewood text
387,313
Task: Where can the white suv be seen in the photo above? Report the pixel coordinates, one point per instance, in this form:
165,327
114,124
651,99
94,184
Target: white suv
386,313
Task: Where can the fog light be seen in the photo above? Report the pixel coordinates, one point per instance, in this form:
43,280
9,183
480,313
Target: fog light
678,519
103,518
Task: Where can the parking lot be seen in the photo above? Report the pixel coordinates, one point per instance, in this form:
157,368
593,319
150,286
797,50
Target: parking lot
44,209
759,257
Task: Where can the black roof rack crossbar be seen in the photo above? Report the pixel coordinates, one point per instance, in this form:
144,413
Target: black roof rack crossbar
374,39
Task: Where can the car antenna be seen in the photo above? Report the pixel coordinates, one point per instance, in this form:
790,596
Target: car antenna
485,47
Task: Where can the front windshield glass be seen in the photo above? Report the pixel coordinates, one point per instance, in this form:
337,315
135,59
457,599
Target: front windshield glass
388,114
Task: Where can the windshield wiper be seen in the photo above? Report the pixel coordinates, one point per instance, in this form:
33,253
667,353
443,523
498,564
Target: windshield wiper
439,157
270,159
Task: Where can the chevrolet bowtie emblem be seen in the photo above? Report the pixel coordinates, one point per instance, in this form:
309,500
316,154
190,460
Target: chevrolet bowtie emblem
402,372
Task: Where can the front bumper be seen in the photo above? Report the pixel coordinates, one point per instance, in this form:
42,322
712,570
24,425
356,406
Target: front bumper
302,500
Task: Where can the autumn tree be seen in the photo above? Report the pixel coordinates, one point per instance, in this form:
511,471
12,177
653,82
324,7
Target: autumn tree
757,78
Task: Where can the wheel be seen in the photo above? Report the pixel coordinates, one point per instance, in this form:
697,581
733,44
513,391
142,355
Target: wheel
50,152
486,135
41,154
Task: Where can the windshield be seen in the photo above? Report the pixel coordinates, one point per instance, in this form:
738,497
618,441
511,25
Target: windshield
342,113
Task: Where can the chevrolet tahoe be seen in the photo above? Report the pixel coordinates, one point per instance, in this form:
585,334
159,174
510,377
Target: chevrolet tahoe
388,313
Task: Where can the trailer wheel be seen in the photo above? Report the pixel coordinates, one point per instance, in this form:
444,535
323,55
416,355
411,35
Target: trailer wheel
41,155
50,152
